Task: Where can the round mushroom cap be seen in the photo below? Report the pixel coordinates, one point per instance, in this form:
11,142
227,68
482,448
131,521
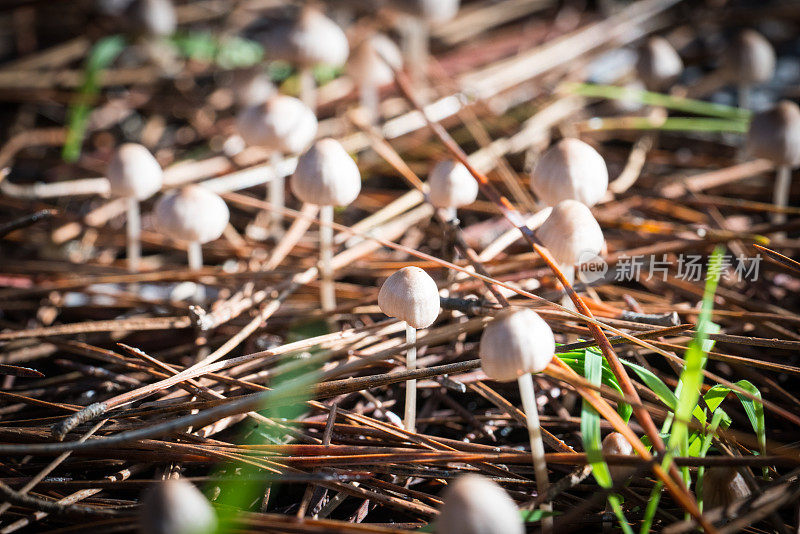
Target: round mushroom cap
282,123
251,87
473,504
722,486
134,172
571,233
570,169
367,65
155,17
659,65
176,506
411,296
451,185
775,134
517,342
615,443
315,39
326,175
750,58
191,214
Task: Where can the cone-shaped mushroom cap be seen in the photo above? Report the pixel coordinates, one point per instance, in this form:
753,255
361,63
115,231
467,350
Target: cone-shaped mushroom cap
475,505
570,169
367,65
155,17
451,185
659,65
615,443
315,39
518,341
775,134
281,123
722,486
326,175
411,296
175,506
133,172
571,233
750,58
252,87
192,214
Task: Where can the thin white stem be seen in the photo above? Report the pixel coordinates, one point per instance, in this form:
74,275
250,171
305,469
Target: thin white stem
450,213
327,295
528,395
276,196
370,101
743,94
780,197
414,34
134,228
410,419
569,274
194,252
308,88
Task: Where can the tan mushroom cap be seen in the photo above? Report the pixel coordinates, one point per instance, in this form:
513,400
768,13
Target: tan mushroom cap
451,185
659,65
775,134
750,58
615,443
722,486
192,214
367,65
517,342
571,233
134,172
570,169
473,504
411,296
252,87
431,11
326,175
155,17
175,506
282,123
315,39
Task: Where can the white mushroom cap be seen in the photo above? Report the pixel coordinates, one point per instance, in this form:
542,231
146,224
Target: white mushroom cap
750,58
411,296
326,175
252,87
431,11
451,185
282,123
517,342
155,17
176,506
315,39
134,172
659,65
191,214
367,65
615,443
570,169
775,134
474,504
722,486
571,233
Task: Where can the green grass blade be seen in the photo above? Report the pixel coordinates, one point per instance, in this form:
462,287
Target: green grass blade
755,412
671,124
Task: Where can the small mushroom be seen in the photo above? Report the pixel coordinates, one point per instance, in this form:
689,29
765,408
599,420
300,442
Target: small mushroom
369,69
722,486
251,87
616,444
517,343
659,65
473,504
570,169
175,506
155,17
775,135
750,60
327,176
451,186
134,174
411,296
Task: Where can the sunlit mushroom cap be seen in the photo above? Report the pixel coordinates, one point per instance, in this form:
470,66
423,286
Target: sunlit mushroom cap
367,65
326,175
176,506
155,17
571,233
282,123
411,296
451,185
615,443
518,341
659,65
431,11
134,172
315,39
722,486
251,87
775,134
191,214
750,58
570,169
473,504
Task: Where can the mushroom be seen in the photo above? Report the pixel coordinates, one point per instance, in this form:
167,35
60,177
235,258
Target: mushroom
175,506
658,65
573,237
473,504
134,174
615,443
281,125
327,176
411,296
451,186
517,343
155,17
722,486
369,69
570,169
750,60
775,135
251,87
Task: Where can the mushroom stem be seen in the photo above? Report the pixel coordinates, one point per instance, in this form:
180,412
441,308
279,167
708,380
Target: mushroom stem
370,101
414,33
134,228
327,294
194,252
780,197
743,94
450,213
528,395
569,274
410,417
308,88
277,196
